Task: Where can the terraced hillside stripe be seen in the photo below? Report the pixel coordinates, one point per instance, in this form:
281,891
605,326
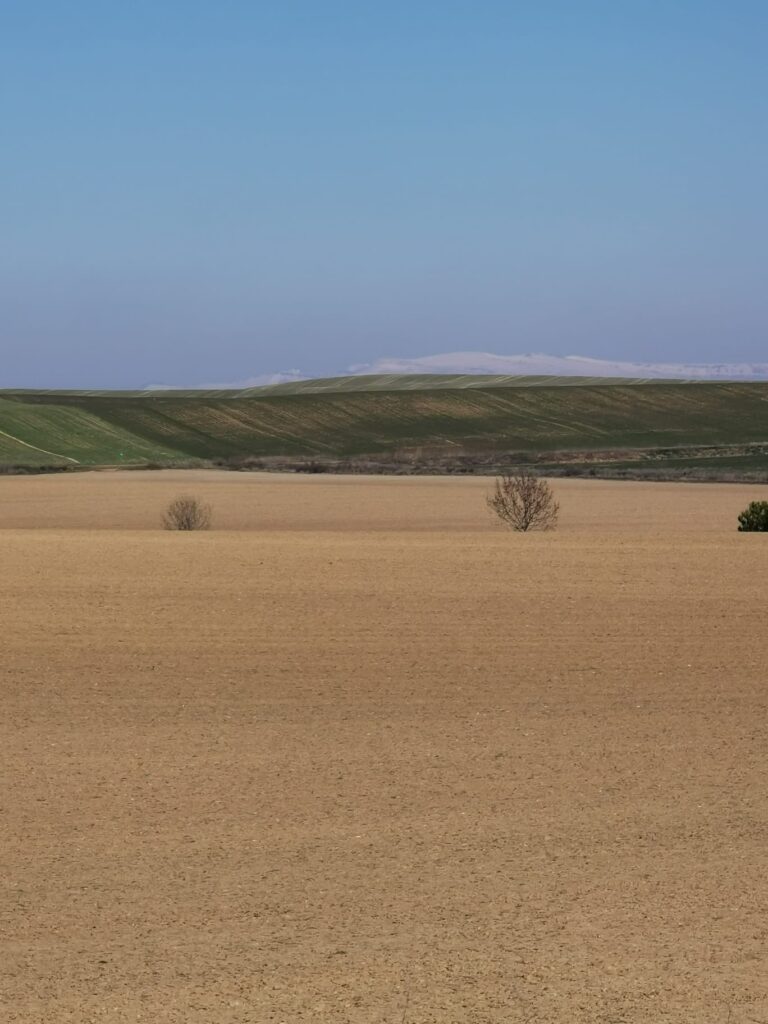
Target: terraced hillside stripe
439,381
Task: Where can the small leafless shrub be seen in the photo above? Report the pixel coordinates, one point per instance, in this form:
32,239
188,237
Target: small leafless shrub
187,513
524,502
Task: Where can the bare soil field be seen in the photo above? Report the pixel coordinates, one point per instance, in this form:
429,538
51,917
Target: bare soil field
359,755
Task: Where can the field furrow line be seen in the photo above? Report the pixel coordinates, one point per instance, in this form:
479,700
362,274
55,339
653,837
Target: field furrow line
34,447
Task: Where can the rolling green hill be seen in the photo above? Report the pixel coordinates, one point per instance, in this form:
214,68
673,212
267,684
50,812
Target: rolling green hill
355,417
433,381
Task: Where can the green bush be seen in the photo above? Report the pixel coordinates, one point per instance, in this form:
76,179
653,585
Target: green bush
754,518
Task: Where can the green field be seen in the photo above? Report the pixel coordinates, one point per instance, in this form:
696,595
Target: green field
373,416
39,431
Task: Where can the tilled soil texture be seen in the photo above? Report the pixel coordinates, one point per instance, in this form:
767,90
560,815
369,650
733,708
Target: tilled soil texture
299,770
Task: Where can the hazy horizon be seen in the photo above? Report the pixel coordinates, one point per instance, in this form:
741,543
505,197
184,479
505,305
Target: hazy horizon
197,193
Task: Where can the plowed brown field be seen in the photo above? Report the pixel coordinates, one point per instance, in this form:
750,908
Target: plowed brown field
359,756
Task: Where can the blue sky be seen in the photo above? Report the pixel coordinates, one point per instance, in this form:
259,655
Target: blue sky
196,192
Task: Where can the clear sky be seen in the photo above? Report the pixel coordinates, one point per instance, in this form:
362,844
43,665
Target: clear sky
196,192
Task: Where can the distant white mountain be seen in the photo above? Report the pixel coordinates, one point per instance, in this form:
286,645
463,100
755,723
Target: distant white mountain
250,382
284,377
535,364
532,364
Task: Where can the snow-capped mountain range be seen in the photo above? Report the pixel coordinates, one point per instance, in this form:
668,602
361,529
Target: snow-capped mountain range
538,363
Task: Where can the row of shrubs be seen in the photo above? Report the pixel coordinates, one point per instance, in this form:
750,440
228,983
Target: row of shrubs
522,501
23,469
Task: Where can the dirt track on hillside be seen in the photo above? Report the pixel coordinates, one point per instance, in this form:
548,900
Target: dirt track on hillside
293,771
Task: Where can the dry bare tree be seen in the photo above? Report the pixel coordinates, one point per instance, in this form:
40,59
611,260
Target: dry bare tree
187,513
524,502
